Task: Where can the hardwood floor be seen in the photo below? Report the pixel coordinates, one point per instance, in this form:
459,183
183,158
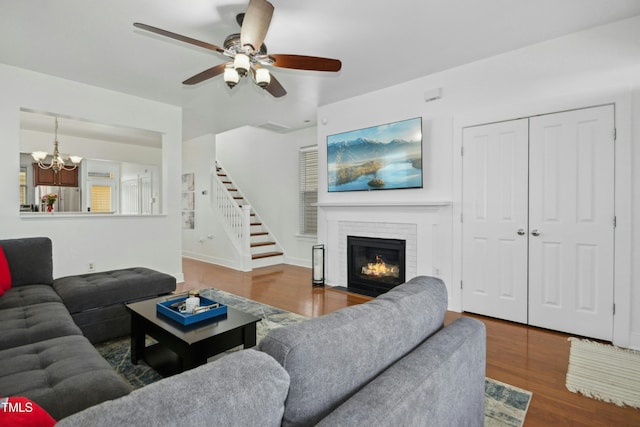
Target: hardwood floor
531,358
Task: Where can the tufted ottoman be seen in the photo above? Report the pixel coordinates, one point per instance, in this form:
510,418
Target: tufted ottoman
96,300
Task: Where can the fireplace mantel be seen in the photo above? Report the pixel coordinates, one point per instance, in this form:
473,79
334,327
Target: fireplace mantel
382,204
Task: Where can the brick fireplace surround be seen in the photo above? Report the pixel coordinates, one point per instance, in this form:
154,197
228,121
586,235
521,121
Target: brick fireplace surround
424,226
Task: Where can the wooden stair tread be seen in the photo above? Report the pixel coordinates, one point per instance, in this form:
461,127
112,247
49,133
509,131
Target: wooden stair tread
257,244
261,233
266,255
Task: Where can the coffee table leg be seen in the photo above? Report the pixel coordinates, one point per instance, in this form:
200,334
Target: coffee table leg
249,335
137,339
192,359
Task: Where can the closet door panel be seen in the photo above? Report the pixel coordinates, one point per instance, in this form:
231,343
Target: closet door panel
571,183
494,226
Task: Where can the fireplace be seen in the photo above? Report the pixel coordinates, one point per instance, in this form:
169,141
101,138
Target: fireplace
374,265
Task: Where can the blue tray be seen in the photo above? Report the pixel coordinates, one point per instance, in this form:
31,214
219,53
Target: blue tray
188,318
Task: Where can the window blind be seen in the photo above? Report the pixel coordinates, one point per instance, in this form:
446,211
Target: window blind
101,198
308,173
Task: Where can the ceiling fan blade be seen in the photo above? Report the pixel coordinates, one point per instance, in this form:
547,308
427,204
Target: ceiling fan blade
205,75
179,37
255,23
275,88
302,62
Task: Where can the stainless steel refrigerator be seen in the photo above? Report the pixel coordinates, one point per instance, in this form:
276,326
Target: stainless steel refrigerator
68,198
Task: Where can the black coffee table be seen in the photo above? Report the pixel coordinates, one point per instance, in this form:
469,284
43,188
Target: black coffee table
189,346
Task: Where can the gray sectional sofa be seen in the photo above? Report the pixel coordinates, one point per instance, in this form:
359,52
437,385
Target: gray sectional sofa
388,362
43,353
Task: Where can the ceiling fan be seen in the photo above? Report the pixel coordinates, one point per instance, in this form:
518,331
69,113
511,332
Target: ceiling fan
248,53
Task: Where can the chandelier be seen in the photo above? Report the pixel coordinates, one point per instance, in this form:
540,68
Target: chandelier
57,162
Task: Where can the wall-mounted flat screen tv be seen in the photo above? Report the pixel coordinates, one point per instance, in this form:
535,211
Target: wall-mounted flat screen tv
383,157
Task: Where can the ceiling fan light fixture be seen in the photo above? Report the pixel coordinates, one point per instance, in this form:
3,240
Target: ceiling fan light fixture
242,63
231,77
263,78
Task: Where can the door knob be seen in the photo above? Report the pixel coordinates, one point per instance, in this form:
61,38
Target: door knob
535,233
521,232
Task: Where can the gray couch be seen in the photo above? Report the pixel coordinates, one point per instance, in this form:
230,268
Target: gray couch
43,353
388,362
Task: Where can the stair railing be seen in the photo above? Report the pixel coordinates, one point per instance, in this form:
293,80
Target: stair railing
237,221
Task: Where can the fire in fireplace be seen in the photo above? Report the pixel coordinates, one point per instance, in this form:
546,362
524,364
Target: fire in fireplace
374,265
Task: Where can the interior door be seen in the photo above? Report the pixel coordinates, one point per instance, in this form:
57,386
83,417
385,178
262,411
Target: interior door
494,223
571,241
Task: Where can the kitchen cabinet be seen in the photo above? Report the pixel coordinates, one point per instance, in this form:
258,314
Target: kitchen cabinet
63,178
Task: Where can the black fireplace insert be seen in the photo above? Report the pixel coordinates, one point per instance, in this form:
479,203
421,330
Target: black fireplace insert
374,265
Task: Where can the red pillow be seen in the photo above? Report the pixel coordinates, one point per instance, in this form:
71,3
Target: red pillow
5,273
20,411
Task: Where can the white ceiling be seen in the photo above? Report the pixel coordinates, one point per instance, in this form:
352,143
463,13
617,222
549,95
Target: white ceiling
380,44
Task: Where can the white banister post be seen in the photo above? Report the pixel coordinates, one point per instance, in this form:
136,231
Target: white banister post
246,237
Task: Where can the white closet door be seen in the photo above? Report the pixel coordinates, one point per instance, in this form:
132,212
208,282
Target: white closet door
494,226
571,239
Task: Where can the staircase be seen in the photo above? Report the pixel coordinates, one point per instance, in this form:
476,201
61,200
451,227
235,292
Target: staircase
256,244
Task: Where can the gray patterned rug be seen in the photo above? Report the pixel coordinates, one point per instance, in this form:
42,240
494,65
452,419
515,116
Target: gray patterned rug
505,405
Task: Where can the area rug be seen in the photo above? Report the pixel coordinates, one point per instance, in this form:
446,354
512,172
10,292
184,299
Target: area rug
604,372
505,405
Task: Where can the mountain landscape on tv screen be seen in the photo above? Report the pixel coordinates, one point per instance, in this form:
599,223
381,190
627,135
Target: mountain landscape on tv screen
369,164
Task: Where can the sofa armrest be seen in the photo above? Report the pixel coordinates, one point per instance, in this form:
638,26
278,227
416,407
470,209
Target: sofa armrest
246,388
440,383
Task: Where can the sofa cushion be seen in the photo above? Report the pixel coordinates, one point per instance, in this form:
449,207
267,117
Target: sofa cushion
88,291
326,370
28,295
440,383
63,375
30,260
5,273
38,322
246,388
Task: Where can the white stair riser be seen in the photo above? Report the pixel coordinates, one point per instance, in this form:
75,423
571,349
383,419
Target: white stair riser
264,249
265,262
260,239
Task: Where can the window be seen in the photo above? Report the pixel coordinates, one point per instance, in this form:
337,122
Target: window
308,171
101,198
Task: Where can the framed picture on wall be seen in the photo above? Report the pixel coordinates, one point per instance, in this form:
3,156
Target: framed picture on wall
384,157
188,182
188,220
188,200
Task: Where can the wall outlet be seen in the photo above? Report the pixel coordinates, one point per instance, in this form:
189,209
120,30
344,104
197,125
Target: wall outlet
92,266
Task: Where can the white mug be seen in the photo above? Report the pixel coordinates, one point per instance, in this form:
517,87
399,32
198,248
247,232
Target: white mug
191,304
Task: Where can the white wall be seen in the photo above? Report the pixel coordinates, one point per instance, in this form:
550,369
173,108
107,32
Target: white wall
109,242
264,166
588,68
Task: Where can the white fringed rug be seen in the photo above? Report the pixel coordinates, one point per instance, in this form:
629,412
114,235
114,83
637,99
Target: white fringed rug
604,372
